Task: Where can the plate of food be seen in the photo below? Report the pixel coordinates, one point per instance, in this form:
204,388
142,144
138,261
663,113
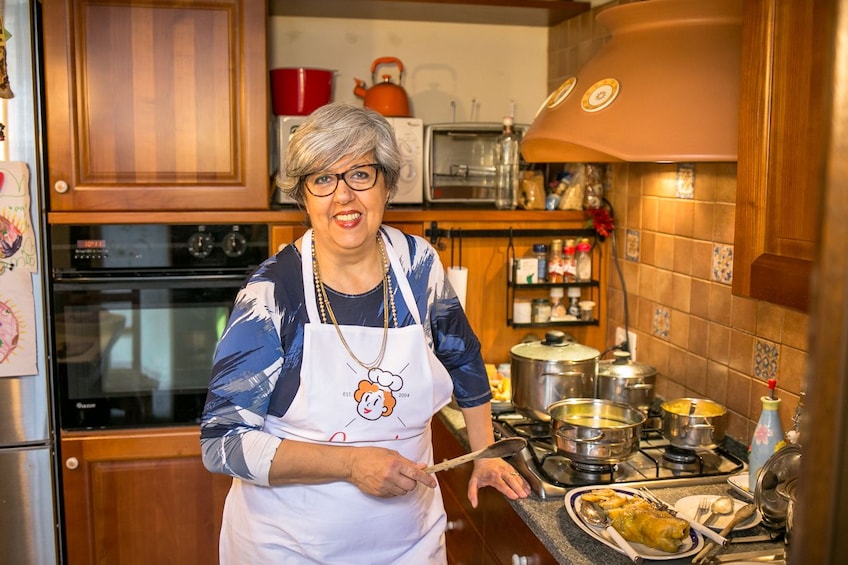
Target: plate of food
654,534
689,506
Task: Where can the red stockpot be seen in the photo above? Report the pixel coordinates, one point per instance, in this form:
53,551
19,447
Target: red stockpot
298,91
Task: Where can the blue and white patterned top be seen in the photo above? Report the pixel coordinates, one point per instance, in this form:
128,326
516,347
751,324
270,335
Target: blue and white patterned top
256,369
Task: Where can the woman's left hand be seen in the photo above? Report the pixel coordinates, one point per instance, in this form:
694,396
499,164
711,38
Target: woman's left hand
499,474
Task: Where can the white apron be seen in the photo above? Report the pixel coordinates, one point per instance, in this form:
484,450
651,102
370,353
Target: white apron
339,402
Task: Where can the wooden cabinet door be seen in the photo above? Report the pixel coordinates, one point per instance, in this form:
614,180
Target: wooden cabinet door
156,105
781,147
140,498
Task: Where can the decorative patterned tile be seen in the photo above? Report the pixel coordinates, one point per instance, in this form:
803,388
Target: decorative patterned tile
631,245
766,360
722,263
662,322
686,180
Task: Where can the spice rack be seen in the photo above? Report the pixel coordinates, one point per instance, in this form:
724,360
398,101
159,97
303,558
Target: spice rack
516,289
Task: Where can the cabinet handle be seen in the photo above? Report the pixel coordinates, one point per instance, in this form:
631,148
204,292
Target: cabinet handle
61,187
71,463
453,525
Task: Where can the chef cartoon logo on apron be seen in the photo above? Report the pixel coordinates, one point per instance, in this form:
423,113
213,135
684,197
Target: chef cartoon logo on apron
375,396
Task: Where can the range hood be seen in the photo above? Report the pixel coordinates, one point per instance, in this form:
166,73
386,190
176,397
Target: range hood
665,88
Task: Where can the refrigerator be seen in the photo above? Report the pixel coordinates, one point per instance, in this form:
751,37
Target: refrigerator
29,515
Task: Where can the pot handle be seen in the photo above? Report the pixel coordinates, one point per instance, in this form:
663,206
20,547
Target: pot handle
560,433
699,426
385,61
639,386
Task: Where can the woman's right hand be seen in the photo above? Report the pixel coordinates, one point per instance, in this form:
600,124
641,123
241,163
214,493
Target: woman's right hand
386,473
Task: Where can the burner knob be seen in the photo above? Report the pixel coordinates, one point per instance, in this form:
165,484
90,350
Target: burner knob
200,244
234,244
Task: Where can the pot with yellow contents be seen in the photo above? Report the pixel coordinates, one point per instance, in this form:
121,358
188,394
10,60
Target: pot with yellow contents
593,431
694,423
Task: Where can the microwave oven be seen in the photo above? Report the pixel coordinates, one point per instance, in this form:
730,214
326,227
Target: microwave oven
459,162
410,137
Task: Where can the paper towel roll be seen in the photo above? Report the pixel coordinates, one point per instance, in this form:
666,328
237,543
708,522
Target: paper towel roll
458,277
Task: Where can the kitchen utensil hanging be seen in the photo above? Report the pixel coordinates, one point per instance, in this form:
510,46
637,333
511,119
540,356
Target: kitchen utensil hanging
457,274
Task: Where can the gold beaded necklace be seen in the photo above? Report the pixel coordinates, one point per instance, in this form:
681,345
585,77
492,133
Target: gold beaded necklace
325,307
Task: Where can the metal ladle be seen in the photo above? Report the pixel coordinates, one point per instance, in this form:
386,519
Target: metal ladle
721,506
592,513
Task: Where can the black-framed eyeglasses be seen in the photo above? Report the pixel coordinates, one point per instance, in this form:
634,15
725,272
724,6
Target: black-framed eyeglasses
358,178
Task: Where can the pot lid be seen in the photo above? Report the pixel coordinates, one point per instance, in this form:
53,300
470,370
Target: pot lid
623,366
555,347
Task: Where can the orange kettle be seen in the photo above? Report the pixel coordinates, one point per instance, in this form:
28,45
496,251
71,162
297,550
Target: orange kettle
385,97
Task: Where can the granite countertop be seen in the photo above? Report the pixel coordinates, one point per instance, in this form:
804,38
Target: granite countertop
570,545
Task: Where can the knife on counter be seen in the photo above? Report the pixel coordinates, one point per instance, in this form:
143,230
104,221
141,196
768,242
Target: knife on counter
741,515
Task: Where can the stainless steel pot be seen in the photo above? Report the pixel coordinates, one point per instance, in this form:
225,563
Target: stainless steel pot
694,423
622,380
589,430
543,372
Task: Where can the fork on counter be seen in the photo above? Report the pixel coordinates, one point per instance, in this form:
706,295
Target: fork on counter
703,508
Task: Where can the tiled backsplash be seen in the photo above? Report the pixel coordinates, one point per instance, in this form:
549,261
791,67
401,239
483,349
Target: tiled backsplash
674,240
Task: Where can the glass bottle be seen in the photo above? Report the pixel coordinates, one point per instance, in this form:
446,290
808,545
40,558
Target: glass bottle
558,308
506,167
555,262
540,250
583,261
569,262
574,301
768,436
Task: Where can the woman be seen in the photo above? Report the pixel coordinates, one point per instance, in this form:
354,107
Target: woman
338,353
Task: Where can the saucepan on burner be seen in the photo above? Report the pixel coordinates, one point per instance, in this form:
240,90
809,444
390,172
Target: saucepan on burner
593,431
694,423
543,372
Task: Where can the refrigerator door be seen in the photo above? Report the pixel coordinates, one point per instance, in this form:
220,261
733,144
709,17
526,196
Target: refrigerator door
27,524
24,418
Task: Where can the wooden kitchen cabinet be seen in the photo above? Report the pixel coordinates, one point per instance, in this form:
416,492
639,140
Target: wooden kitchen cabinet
781,147
490,534
158,105
140,497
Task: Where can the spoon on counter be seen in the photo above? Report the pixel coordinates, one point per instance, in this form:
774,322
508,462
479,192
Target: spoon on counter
501,448
592,513
721,506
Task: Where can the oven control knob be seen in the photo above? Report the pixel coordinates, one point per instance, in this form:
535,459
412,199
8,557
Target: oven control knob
234,244
200,244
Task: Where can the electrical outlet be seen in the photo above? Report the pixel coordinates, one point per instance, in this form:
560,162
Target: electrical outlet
631,338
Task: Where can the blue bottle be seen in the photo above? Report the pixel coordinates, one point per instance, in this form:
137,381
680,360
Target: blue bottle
767,438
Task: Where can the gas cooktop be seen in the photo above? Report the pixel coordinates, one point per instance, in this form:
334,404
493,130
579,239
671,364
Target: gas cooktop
551,473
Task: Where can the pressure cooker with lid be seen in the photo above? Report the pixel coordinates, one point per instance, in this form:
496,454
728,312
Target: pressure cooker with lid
553,369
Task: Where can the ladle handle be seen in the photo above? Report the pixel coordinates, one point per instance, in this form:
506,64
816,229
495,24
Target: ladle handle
623,544
451,463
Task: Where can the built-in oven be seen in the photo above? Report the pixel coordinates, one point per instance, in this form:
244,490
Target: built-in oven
136,313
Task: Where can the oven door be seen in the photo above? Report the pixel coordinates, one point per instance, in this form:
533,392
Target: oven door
137,352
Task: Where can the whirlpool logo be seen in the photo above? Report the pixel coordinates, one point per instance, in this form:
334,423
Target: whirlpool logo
86,405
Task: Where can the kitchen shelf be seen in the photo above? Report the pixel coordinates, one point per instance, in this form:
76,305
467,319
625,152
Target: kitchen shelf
538,13
558,324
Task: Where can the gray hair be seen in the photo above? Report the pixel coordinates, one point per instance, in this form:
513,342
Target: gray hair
334,131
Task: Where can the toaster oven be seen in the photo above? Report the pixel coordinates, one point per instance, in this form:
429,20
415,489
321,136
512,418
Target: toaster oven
459,162
410,137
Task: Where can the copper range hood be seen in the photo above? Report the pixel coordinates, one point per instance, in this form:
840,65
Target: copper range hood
665,88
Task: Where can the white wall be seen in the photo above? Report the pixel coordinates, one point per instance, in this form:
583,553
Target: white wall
493,65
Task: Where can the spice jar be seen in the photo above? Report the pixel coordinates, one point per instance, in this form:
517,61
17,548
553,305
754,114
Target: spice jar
541,310
555,262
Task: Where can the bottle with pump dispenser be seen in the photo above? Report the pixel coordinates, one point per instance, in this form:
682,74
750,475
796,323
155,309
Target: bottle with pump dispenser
506,167
768,436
